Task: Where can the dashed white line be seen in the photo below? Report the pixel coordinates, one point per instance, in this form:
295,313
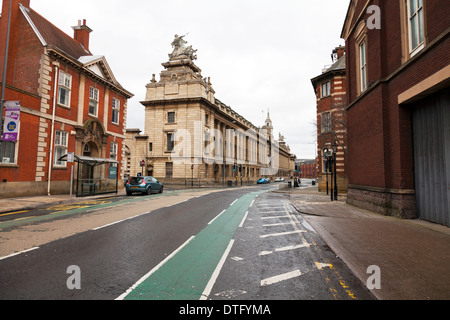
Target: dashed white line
216,272
234,202
281,277
288,248
276,224
122,296
243,220
282,233
216,217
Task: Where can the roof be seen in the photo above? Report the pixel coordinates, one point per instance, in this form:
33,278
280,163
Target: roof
55,39
49,34
338,66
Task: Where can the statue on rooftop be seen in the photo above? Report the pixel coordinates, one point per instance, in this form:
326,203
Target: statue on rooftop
180,48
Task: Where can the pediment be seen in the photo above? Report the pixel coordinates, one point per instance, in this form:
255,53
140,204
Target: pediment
99,66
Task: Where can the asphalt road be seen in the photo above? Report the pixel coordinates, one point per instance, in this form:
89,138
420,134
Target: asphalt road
243,243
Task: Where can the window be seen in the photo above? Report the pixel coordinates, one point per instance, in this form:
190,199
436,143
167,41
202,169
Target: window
415,25
93,101
326,122
170,142
7,152
64,88
169,169
60,147
171,117
326,89
363,65
114,146
150,146
207,119
115,110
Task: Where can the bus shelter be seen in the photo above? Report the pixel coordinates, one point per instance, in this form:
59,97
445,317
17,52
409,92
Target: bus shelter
95,175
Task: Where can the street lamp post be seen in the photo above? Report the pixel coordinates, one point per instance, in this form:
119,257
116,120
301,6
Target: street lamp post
326,164
335,172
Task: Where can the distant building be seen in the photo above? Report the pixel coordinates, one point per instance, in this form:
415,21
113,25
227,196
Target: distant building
330,90
398,115
307,168
70,101
191,137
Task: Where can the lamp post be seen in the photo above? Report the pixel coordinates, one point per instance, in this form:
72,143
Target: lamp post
335,146
325,156
5,66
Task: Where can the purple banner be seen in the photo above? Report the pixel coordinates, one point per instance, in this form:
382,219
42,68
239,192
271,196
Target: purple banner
12,121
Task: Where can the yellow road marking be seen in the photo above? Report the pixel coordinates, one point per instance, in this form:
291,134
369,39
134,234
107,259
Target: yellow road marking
9,214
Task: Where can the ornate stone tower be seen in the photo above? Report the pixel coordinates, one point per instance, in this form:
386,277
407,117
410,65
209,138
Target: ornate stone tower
181,78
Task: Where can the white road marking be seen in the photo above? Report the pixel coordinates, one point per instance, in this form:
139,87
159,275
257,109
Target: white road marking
17,253
275,217
288,248
122,296
282,233
216,217
276,224
281,277
243,220
216,272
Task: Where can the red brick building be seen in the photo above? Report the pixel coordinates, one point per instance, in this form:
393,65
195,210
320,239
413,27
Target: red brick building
330,90
70,101
398,79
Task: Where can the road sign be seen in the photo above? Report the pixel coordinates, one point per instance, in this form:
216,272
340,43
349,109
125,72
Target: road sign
143,163
70,157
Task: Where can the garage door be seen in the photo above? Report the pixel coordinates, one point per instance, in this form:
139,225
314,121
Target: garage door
431,130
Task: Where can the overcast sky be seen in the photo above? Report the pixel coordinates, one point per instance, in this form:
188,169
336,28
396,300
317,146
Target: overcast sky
260,54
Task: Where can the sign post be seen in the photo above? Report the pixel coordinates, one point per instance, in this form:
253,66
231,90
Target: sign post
142,166
71,160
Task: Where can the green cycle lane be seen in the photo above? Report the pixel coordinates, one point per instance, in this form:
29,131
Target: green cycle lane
186,275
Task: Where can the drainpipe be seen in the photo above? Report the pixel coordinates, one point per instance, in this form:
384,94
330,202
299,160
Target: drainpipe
50,162
5,67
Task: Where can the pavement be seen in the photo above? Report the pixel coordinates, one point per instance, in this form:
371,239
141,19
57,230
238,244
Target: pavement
409,259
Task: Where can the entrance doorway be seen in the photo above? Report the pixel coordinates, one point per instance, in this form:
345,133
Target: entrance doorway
431,131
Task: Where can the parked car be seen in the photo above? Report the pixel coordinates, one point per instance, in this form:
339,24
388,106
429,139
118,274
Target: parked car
279,179
262,181
147,185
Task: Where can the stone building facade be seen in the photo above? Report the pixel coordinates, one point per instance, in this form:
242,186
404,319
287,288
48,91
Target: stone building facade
192,137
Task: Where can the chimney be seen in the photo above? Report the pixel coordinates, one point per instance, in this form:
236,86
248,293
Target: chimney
81,34
338,52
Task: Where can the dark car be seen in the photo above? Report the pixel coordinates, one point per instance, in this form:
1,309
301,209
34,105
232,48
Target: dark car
147,185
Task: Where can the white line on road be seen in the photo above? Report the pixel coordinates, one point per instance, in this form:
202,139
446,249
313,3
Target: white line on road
282,233
17,253
216,217
288,248
281,277
216,272
275,217
122,296
243,220
276,224
234,202
116,222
